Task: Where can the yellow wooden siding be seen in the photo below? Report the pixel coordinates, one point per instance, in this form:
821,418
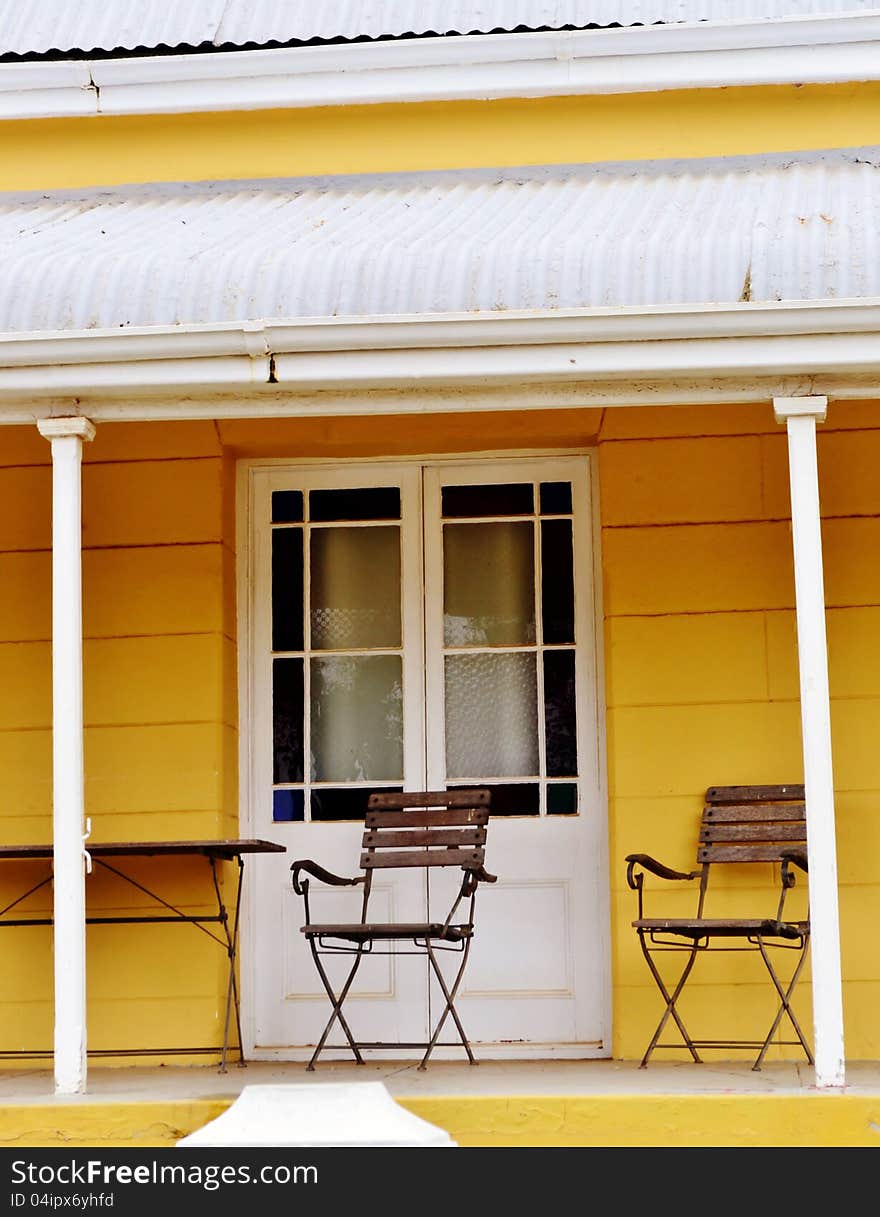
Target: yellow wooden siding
702,679
49,153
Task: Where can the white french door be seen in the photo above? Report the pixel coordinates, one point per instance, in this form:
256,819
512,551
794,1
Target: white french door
416,627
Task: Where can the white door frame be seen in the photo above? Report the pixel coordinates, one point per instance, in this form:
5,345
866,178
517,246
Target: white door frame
248,776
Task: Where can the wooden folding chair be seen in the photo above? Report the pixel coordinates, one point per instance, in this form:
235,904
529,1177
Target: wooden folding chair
740,824
423,829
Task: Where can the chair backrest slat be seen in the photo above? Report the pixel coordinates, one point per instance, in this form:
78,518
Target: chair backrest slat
751,823
429,798
379,859
753,794
424,837
752,832
471,816
741,853
426,828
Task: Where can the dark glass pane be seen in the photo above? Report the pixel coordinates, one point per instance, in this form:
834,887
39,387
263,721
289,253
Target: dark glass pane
555,498
510,799
512,500
342,803
287,719
562,799
287,589
559,714
557,581
287,506
369,503
288,805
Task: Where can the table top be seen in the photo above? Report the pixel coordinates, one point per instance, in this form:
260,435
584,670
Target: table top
225,849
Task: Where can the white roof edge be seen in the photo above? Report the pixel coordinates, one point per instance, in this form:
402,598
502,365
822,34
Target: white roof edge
787,50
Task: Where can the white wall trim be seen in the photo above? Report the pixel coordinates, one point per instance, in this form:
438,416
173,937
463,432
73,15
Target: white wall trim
446,363
786,50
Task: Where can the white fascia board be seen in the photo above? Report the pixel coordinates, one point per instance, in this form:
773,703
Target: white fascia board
672,351
787,50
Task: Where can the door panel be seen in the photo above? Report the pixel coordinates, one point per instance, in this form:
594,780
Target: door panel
338,698
512,704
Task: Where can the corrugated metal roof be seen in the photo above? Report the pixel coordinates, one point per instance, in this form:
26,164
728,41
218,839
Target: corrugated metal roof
625,235
43,26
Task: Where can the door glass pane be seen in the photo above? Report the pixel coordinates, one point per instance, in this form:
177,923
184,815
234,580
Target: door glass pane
555,498
287,719
562,799
491,715
369,503
341,802
355,588
517,499
287,589
489,584
287,506
559,714
513,798
357,718
557,581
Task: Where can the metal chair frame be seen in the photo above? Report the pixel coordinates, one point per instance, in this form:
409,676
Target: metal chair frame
434,828
740,824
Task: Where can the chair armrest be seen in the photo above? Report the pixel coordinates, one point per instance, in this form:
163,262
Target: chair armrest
646,862
483,875
799,858
318,872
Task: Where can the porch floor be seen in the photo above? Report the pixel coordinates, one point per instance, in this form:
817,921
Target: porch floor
525,1103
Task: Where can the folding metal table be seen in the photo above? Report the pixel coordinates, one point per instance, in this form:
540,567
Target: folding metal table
103,855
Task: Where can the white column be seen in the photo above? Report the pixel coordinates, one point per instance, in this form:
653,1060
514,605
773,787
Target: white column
800,415
66,436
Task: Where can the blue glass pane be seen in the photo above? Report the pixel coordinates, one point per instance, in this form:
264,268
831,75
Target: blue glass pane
287,805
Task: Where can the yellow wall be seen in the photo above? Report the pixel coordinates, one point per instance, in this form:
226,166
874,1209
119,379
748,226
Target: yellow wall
368,139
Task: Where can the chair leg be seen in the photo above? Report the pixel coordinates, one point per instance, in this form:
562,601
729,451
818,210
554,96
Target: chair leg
337,1006
670,1003
449,1008
785,1003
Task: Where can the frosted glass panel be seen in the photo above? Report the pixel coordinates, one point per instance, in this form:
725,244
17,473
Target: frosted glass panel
489,584
357,718
491,716
355,588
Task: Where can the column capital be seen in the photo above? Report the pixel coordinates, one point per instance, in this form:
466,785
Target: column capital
66,428
800,407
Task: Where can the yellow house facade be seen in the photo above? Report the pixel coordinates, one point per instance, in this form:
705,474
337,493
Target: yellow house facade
445,409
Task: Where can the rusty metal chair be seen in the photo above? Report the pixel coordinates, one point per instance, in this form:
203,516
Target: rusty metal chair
422,829
740,824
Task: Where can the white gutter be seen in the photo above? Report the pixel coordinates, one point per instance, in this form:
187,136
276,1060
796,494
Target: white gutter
266,363
787,50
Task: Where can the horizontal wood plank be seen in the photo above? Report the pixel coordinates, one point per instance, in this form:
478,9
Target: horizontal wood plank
393,837
750,812
751,794
430,798
741,853
753,832
471,858
426,819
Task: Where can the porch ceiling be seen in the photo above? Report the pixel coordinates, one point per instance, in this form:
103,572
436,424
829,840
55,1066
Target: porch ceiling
796,228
